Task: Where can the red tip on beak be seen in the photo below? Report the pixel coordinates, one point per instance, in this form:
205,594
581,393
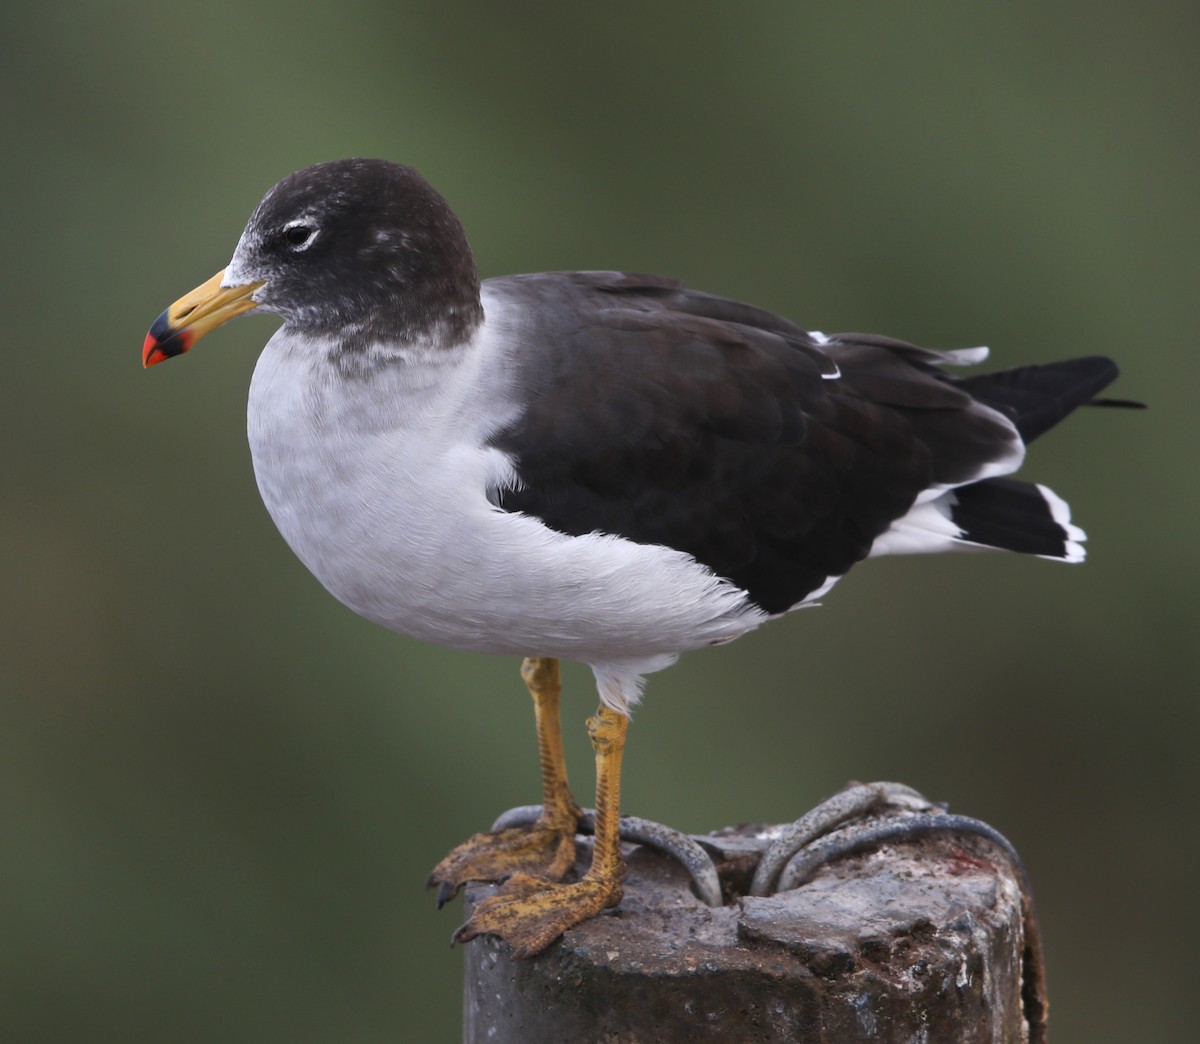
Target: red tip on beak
163,343
196,313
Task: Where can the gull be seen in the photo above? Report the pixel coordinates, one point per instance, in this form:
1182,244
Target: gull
598,466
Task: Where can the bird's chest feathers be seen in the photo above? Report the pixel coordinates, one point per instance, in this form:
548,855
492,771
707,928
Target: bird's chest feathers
370,479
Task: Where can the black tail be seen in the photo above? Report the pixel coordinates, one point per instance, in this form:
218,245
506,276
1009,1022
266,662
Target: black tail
1035,398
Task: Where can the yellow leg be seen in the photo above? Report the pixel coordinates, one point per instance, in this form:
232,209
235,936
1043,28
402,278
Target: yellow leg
607,733
547,847
559,810
529,912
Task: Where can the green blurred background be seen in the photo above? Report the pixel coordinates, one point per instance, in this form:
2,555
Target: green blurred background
221,791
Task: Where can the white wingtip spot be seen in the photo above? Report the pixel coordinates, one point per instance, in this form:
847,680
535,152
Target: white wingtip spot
1060,511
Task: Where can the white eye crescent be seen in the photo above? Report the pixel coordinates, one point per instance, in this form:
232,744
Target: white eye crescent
298,234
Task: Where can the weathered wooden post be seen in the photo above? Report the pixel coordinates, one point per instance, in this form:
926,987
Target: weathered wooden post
894,922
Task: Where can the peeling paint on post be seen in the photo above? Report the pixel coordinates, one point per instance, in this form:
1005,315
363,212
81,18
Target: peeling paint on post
920,941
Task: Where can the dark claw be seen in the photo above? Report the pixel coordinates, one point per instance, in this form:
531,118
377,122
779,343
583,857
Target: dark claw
446,892
464,933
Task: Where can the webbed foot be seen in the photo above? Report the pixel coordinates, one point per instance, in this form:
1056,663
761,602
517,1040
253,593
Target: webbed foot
541,850
529,913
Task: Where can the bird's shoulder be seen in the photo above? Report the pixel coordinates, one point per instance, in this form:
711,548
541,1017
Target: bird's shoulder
611,339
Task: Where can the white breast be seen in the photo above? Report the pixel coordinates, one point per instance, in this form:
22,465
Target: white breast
380,485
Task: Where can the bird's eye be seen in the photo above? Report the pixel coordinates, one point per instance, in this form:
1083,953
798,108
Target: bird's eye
298,235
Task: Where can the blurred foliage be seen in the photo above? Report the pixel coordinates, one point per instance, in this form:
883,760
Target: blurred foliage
221,791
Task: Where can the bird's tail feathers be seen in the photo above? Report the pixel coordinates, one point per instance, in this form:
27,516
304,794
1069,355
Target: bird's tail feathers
1035,398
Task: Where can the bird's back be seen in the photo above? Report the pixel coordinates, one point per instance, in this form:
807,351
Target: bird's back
775,456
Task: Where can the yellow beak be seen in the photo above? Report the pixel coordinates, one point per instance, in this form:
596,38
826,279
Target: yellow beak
196,313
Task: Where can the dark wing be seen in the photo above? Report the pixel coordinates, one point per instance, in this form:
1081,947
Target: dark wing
671,417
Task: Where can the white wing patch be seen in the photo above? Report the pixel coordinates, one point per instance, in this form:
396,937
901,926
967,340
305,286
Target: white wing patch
925,529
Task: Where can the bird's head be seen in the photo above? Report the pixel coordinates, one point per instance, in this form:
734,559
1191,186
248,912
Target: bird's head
360,249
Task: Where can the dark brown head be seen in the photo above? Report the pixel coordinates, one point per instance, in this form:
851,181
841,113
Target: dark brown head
361,249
